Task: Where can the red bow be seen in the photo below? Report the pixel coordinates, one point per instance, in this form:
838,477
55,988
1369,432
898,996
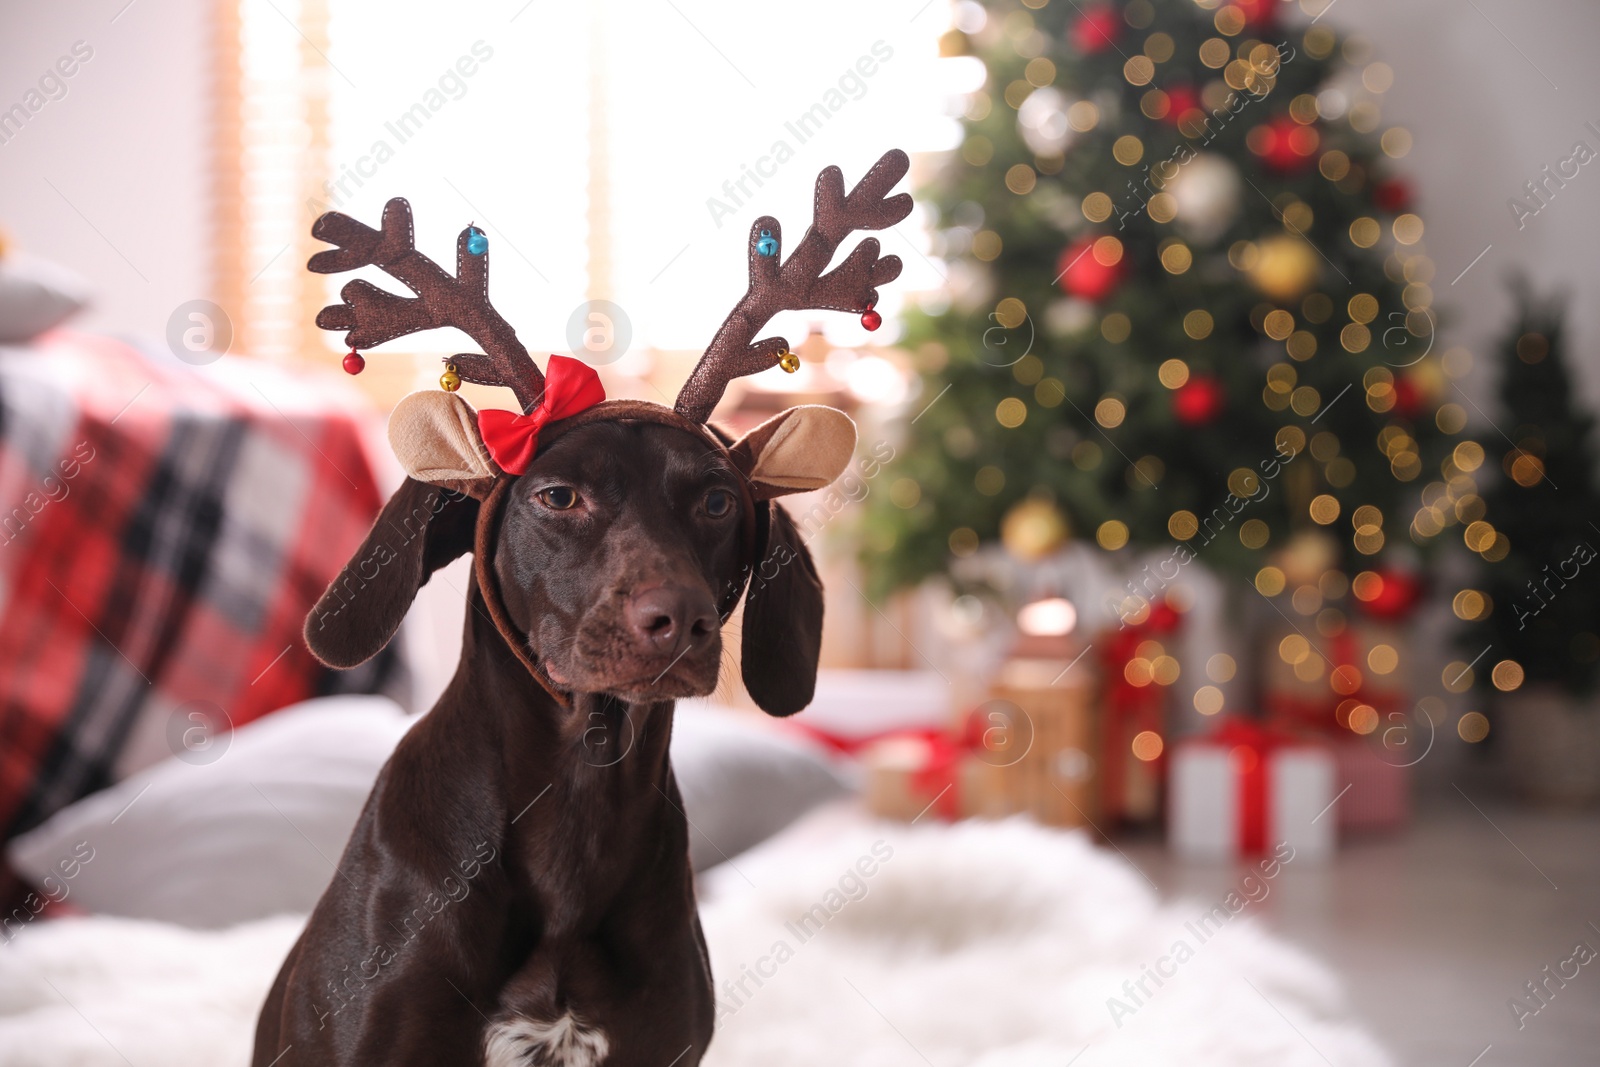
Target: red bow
570,386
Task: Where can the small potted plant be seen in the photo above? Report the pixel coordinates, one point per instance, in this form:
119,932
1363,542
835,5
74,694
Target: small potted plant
1538,539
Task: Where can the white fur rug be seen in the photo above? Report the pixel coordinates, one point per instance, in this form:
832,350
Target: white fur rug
981,944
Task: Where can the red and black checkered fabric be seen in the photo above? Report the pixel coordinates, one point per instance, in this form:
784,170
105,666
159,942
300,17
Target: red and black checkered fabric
163,531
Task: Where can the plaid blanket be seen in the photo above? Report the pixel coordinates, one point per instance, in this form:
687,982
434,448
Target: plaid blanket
163,531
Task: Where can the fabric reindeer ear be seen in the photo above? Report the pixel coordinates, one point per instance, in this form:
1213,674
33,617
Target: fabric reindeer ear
428,522
796,450
435,435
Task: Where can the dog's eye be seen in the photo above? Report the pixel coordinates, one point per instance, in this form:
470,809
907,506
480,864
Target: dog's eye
558,497
718,503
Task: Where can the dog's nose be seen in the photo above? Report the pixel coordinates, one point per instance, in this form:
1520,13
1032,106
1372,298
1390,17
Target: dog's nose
666,619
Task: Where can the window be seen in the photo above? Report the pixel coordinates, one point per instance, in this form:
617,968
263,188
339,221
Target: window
610,152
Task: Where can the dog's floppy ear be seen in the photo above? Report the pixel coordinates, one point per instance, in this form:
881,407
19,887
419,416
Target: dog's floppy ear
427,523
782,618
420,529
803,448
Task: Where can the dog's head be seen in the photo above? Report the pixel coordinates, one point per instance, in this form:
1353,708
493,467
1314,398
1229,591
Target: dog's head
617,553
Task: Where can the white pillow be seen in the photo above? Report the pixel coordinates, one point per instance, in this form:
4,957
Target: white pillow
36,295
257,831
252,834
744,778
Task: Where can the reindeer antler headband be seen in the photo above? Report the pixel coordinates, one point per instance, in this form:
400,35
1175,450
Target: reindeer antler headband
441,440
370,316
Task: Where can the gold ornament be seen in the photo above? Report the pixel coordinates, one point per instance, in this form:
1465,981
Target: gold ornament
1307,556
1428,377
1033,529
788,361
1285,268
449,381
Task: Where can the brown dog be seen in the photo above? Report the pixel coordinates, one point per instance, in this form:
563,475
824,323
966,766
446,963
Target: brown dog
519,879
517,891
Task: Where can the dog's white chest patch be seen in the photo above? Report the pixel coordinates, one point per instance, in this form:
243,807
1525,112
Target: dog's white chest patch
564,1042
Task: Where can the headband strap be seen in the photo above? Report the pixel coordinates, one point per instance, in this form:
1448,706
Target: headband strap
482,549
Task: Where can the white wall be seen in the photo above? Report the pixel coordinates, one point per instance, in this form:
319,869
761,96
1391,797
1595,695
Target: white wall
1486,120
126,147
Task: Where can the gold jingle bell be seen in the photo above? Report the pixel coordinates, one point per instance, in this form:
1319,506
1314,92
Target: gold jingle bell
788,361
449,381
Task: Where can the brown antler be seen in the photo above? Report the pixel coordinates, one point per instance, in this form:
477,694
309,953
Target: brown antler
372,316
799,284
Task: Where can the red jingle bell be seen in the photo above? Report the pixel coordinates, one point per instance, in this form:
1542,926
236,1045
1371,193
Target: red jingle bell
354,362
871,319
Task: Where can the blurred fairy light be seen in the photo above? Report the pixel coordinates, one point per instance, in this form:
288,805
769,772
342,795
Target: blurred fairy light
872,379
1051,617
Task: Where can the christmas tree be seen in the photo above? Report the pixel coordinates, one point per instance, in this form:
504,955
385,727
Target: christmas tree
1189,308
1539,608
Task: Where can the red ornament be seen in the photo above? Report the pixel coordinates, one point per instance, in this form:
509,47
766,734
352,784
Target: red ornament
871,319
1392,195
1198,401
1408,400
1164,618
1258,13
1398,594
1084,275
1285,145
1181,100
1096,31
354,363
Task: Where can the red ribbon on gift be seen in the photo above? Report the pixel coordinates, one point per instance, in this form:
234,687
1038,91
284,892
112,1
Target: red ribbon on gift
1249,745
1130,708
942,770
570,386
940,777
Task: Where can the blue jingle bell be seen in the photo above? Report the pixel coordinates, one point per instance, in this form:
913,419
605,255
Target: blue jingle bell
767,245
477,243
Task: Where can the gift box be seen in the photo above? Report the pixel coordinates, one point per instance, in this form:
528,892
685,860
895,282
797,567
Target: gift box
938,776
1040,731
1025,750
1379,797
1314,685
1245,789
920,776
909,774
